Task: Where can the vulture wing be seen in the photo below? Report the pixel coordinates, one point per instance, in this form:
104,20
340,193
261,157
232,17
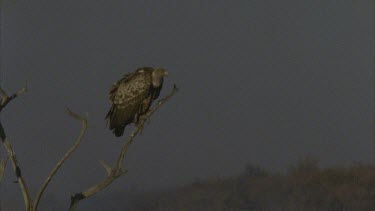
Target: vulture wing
127,97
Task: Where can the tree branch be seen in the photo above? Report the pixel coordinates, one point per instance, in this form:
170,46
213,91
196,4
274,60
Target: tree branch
83,120
5,99
117,171
3,164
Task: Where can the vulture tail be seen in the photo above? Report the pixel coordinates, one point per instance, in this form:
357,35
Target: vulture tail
119,131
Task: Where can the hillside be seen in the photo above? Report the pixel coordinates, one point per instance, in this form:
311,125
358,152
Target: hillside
305,186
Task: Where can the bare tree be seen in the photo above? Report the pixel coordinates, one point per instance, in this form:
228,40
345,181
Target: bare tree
112,172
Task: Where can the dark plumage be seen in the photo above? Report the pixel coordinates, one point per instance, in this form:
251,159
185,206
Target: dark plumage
132,96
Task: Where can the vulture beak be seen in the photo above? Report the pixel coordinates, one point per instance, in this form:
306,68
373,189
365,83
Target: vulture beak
165,73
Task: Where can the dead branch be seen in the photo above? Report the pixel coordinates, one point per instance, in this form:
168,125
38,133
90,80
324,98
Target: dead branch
3,164
83,120
5,99
117,171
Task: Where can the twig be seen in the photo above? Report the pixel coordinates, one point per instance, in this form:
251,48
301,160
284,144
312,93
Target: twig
117,171
5,99
3,164
66,156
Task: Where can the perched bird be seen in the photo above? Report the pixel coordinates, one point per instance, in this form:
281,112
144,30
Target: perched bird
132,96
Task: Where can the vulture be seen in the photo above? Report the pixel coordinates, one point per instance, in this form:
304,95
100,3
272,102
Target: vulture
132,96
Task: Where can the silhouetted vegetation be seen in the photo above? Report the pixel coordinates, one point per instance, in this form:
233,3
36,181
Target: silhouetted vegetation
305,186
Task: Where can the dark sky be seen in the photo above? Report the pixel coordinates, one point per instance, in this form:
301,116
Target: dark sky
264,82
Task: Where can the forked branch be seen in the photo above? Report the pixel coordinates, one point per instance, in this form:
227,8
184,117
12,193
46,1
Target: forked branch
29,206
117,170
5,99
83,120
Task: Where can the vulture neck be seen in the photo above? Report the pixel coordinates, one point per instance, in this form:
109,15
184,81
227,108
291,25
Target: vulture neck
157,80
